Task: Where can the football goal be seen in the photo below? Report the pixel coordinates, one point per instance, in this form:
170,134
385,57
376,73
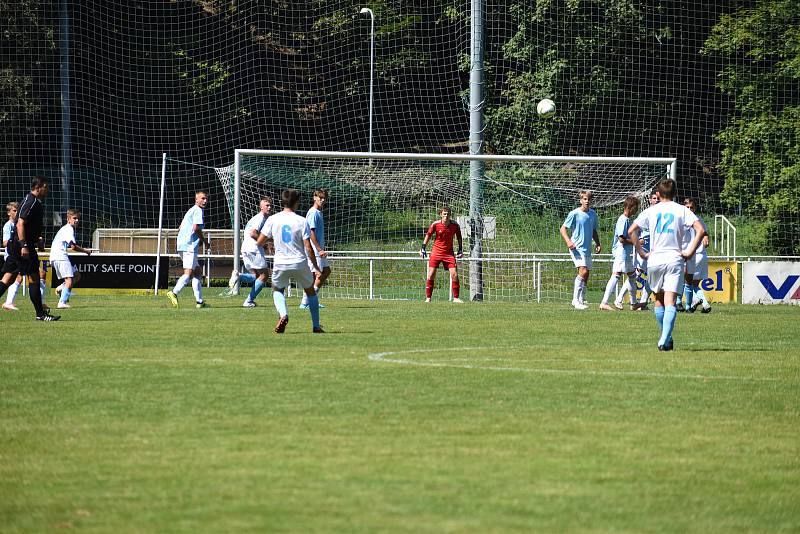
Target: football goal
381,204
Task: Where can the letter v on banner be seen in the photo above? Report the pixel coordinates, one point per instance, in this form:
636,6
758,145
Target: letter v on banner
771,282
779,293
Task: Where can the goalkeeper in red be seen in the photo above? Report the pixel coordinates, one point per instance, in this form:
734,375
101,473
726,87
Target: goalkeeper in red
443,232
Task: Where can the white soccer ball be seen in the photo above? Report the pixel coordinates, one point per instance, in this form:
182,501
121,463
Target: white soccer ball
546,108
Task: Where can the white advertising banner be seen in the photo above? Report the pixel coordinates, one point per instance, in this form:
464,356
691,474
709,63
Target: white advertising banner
770,282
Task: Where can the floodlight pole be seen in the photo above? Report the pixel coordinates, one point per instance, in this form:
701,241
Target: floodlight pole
371,69
66,125
476,167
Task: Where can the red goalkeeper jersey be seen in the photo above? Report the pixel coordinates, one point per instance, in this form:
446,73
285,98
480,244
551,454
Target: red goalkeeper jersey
443,244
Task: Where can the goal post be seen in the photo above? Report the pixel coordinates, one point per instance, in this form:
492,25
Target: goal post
381,204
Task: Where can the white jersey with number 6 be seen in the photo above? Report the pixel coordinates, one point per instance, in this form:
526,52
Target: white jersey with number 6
288,230
668,223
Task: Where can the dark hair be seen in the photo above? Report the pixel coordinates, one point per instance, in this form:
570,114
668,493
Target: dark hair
268,199
667,188
291,198
631,202
321,193
446,207
39,181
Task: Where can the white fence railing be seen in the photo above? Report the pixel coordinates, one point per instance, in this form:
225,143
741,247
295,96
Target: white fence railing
722,238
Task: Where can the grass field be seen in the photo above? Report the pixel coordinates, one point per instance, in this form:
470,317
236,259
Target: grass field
129,416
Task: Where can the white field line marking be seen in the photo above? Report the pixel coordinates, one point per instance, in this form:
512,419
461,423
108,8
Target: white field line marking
385,357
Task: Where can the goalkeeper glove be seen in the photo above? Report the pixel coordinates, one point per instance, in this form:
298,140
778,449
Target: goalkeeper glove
460,253
423,253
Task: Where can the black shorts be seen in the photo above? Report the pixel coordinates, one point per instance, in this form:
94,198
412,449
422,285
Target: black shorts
16,264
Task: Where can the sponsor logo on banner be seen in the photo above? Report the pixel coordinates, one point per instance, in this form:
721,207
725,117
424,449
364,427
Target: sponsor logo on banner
721,286
771,282
111,272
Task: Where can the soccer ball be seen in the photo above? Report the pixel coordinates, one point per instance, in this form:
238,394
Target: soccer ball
546,108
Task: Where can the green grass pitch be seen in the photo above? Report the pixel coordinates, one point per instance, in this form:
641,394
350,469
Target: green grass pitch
129,416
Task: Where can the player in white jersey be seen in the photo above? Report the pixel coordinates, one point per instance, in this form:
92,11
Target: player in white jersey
254,257
622,250
640,266
8,231
62,266
291,238
316,224
696,269
582,223
667,223
190,235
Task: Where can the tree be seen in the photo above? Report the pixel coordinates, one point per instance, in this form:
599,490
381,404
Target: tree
761,149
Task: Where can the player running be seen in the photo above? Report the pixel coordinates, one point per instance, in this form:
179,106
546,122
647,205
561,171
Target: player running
668,222
444,231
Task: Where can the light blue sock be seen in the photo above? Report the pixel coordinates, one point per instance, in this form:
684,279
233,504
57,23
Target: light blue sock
659,311
257,287
688,296
250,278
65,293
313,307
280,303
669,323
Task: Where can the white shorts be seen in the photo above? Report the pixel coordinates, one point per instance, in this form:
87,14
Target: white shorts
700,271
623,263
639,262
254,261
322,262
299,272
580,259
668,277
190,260
63,269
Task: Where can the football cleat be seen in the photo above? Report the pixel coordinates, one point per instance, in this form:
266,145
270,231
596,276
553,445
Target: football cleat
303,306
59,289
10,307
48,318
201,304
706,310
606,307
233,283
694,306
172,298
281,326
318,330
578,305
428,299
679,307
248,304
458,301
619,305
63,305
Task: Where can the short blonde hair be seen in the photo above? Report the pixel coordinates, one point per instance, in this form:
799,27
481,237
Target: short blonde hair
587,192
72,212
12,206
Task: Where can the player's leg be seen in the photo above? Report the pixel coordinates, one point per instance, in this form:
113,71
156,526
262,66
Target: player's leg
321,277
197,287
584,282
34,287
280,281
258,285
611,286
305,279
687,295
13,287
455,286
189,261
430,278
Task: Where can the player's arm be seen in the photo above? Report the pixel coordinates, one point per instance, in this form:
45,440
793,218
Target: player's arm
198,231
74,246
422,252
322,253
263,239
633,235
567,240
310,254
23,243
597,246
460,251
700,233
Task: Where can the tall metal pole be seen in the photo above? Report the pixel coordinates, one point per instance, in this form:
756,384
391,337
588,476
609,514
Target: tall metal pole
160,220
476,168
371,69
66,141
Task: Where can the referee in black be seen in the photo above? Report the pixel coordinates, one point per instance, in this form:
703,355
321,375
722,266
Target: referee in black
22,255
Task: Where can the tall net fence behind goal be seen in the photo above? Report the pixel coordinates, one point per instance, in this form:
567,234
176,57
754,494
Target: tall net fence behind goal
380,206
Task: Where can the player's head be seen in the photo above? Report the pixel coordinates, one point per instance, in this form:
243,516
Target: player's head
445,213
265,205
291,198
73,217
320,197
40,186
690,203
585,197
201,198
654,197
667,189
631,206
11,209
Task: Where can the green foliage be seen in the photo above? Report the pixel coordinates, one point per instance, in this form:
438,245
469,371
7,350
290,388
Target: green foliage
761,144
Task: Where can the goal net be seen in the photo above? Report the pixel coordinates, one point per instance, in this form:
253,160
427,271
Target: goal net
380,206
